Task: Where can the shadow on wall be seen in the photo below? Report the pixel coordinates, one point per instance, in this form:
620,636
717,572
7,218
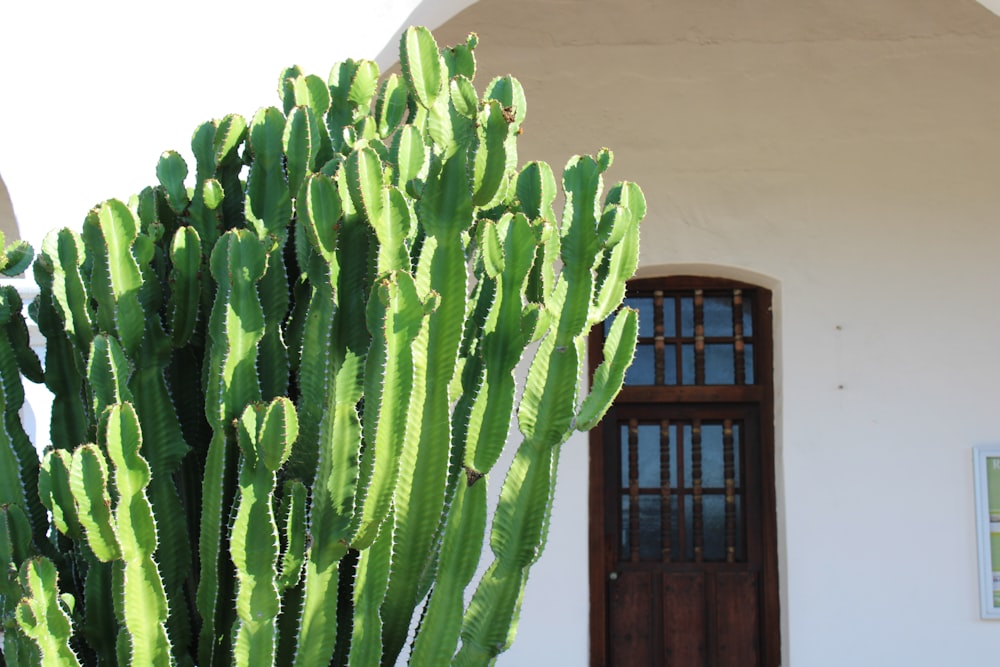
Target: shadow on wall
8,223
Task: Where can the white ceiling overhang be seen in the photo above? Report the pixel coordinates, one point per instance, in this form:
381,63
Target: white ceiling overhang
992,5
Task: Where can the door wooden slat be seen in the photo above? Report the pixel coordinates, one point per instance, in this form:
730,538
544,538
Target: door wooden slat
736,607
631,628
684,630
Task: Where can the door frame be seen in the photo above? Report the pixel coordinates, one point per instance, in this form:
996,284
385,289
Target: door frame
601,537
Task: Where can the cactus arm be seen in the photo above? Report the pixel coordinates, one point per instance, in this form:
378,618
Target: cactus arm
185,295
64,252
518,529
293,529
390,105
109,234
15,548
460,550
409,154
17,333
624,210
55,494
510,94
332,508
267,188
63,363
504,342
395,316
108,371
319,210
88,479
270,207
273,362
619,348
230,135
145,602
301,142
536,191
171,171
16,257
341,112
421,65
369,592
266,434
464,97
446,211
41,616
18,458
489,156
235,327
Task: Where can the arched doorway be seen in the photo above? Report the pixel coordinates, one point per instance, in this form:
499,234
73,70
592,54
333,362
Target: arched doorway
683,547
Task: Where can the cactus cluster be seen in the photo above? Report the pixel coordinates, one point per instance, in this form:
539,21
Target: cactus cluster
282,383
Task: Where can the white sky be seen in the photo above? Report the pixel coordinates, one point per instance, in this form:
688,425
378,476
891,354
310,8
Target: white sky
92,92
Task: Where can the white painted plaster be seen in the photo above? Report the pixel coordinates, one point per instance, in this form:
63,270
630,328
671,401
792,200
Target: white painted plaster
848,152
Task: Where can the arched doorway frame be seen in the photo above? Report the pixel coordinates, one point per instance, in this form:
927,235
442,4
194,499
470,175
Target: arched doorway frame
691,275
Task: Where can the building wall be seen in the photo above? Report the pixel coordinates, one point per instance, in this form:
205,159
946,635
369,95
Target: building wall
844,153
8,223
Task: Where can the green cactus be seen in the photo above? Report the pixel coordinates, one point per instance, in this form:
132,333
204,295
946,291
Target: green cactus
293,391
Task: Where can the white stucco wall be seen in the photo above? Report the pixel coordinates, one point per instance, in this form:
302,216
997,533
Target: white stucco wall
848,151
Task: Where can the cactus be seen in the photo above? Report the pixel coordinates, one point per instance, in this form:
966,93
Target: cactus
293,391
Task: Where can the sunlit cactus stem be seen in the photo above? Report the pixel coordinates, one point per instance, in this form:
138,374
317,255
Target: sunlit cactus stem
285,378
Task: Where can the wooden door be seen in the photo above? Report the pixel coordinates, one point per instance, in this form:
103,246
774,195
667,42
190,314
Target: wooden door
683,556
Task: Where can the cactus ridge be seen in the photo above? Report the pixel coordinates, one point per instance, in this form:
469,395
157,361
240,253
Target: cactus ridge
285,375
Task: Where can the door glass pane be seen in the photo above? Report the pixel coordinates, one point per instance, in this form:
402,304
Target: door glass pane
645,307
714,516
649,456
648,472
720,367
747,315
674,531
669,364
711,456
669,317
650,527
718,315
687,363
688,530
748,363
687,316
642,370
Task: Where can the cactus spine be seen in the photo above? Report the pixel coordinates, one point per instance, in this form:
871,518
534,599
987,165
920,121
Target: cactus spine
293,391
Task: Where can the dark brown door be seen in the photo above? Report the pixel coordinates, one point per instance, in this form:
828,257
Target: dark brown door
683,556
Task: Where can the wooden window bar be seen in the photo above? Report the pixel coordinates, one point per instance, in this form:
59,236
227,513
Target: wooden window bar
738,336
699,337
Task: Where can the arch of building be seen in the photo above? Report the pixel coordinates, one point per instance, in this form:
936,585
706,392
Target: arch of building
8,222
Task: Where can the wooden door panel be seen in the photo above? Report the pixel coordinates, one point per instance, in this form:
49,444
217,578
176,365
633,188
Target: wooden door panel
683,535
684,619
631,619
736,608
